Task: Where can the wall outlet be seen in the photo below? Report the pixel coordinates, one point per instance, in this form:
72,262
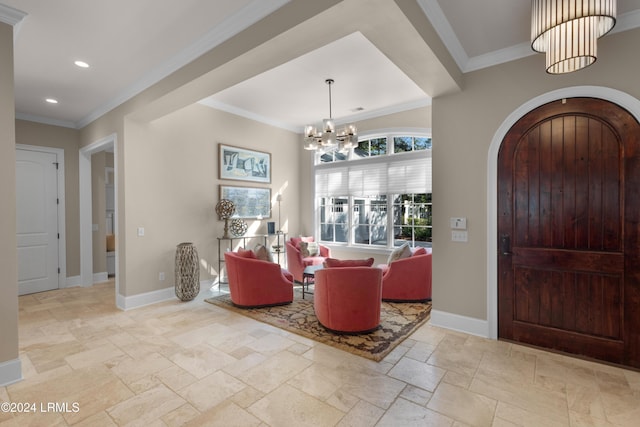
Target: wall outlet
161,276
140,231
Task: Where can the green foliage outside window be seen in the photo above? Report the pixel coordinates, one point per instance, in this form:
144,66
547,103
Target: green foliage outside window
371,147
403,144
421,232
413,218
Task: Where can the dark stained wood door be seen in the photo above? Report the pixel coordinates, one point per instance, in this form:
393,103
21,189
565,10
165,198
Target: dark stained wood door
568,231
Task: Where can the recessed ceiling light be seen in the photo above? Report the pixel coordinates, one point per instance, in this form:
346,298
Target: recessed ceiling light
81,64
51,101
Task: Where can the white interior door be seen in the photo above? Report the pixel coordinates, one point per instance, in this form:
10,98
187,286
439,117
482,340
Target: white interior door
37,221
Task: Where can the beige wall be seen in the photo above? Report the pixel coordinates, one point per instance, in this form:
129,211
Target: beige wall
173,193
416,118
31,133
8,244
463,127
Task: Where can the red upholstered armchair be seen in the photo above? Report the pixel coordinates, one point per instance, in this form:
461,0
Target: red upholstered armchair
408,279
257,283
296,262
348,299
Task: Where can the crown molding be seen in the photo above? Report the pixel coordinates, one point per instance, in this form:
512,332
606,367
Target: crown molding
436,16
628,21
398,108
432,10
244,18
212,103
500,56
45,120
13,17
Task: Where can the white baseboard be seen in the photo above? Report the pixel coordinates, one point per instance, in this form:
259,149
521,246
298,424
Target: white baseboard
72,282
100,277
10,372
456,322
153,297
148,298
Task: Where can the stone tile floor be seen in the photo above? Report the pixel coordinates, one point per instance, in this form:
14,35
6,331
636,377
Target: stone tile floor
175,363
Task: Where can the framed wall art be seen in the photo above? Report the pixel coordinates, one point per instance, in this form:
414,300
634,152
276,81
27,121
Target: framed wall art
244,165
251,202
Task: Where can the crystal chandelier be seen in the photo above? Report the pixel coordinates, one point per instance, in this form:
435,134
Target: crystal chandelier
327,137
568,31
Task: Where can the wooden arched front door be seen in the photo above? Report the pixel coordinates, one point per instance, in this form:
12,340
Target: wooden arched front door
569,230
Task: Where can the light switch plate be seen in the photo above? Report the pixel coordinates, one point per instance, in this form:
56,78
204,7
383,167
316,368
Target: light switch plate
459,236
458,223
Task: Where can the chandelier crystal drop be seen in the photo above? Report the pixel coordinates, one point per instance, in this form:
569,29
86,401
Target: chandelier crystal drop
327,137
568,31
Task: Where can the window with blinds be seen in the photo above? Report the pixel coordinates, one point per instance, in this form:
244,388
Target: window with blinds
381,200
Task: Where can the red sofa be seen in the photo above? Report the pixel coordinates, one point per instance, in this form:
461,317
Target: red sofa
348,299
257,283
408,279
296,263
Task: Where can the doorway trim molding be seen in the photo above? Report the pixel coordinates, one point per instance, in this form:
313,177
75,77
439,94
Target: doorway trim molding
620,98
86,220
63,281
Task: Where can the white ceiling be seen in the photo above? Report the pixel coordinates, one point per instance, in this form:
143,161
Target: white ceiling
363,79
132,44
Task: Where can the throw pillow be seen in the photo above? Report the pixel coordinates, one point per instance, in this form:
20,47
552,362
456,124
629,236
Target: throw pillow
308,249
262,253
246,253
333,262
295,241
420,251
403,251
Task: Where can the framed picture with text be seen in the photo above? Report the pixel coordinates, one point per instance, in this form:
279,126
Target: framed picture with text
244,165
250,202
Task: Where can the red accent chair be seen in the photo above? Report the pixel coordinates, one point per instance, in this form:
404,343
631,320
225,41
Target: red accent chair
348,299
257,283
408,279
296,263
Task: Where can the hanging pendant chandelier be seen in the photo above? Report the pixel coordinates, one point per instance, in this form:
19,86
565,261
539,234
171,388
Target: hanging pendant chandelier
326,137
568,31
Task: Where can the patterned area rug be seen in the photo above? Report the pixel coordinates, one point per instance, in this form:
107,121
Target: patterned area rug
397,322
